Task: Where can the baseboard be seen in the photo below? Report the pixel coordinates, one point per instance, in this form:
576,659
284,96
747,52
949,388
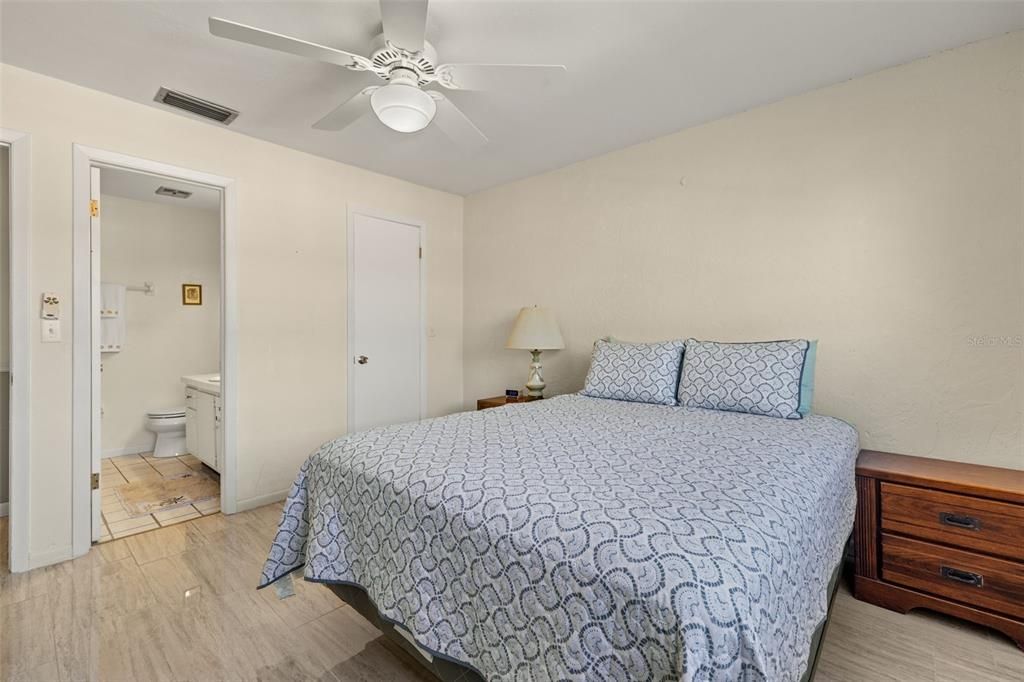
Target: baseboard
5,508
260,500
120,452
53,556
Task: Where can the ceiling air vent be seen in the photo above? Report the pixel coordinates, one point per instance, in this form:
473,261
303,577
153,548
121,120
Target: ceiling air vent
171,192
194,105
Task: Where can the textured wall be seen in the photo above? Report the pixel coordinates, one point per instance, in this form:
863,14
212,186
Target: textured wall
882,216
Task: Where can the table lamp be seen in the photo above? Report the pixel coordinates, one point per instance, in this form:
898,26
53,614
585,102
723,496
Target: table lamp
535,330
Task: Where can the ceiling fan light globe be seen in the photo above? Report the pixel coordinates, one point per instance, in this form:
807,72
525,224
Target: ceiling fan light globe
404,108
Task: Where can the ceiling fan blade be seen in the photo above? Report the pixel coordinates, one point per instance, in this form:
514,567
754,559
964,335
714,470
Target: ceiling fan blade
348,112
495,76
405,22
453,123
275,41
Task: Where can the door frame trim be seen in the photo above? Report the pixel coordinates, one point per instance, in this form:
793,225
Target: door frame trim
19,399
85,371
353,211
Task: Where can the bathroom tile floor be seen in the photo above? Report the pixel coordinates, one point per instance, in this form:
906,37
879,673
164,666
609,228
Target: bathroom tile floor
115,471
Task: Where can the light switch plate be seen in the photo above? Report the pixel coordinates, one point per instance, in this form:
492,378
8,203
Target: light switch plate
51,331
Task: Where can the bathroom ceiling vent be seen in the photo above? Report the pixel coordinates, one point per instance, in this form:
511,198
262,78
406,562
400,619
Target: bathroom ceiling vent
194,105
171,192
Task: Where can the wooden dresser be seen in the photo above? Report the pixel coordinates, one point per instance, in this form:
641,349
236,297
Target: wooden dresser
941,535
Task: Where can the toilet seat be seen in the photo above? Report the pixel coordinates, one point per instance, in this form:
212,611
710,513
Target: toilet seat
172,413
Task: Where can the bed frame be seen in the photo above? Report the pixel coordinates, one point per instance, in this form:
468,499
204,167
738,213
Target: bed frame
453,671
443,668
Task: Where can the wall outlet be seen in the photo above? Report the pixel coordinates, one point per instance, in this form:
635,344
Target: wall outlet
50,331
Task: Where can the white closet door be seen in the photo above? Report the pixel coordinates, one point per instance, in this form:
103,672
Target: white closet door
386,330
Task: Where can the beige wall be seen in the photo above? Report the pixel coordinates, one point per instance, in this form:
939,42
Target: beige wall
291,281
882,216
145,241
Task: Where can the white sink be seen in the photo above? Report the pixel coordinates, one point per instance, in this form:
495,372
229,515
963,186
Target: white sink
208,383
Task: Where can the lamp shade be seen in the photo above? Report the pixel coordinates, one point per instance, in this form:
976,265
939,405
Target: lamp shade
535,329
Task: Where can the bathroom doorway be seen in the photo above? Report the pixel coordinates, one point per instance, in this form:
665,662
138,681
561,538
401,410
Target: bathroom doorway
159,345
154,357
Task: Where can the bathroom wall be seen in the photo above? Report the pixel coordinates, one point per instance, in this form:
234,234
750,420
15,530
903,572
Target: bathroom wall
144,241
5,321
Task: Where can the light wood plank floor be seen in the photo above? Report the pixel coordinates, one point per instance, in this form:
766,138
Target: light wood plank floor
179,603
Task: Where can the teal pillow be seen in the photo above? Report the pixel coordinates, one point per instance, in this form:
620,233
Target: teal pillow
807,379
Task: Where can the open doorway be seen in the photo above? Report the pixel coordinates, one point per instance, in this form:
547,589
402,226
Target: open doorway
154,357
159,347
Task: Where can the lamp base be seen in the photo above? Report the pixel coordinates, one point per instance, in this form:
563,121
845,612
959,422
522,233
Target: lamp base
535,383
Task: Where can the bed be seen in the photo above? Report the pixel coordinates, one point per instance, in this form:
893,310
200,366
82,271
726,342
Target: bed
583,538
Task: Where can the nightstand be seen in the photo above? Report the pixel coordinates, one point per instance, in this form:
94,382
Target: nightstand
944,536
500,400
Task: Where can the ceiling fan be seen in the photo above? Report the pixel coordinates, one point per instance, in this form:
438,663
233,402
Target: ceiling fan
406,62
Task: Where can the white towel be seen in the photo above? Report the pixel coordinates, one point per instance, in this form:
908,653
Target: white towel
112,298
112,317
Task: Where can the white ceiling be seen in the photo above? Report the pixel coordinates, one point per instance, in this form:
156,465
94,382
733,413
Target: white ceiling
142,187
636,70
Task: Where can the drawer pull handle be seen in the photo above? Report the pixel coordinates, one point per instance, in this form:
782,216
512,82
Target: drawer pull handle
965,577
959,521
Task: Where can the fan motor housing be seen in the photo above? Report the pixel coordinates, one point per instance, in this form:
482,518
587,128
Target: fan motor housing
385,57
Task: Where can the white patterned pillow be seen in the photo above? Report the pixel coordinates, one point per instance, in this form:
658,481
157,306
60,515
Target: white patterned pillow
637,372
758,378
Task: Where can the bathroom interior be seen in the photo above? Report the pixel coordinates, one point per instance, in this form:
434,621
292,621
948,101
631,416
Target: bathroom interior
159,308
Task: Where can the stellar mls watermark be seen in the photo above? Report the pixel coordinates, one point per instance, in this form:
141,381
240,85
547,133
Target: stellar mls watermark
996,341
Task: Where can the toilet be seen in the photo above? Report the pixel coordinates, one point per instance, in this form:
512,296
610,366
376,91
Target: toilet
169,427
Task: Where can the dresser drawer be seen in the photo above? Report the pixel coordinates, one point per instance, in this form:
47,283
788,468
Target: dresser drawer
974,579
970,522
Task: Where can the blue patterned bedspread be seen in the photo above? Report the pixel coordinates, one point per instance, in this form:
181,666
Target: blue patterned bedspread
581,538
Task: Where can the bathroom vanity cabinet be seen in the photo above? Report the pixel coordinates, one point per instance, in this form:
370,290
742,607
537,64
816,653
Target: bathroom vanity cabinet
202,426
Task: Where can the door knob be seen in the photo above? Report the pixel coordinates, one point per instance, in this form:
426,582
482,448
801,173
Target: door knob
362,360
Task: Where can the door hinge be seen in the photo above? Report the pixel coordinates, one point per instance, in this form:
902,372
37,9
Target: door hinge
94,208
95,481
421,252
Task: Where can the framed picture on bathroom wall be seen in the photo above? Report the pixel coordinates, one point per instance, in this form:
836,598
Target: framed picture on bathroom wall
191,294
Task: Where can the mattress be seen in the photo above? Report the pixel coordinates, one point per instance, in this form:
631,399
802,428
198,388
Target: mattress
582,538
